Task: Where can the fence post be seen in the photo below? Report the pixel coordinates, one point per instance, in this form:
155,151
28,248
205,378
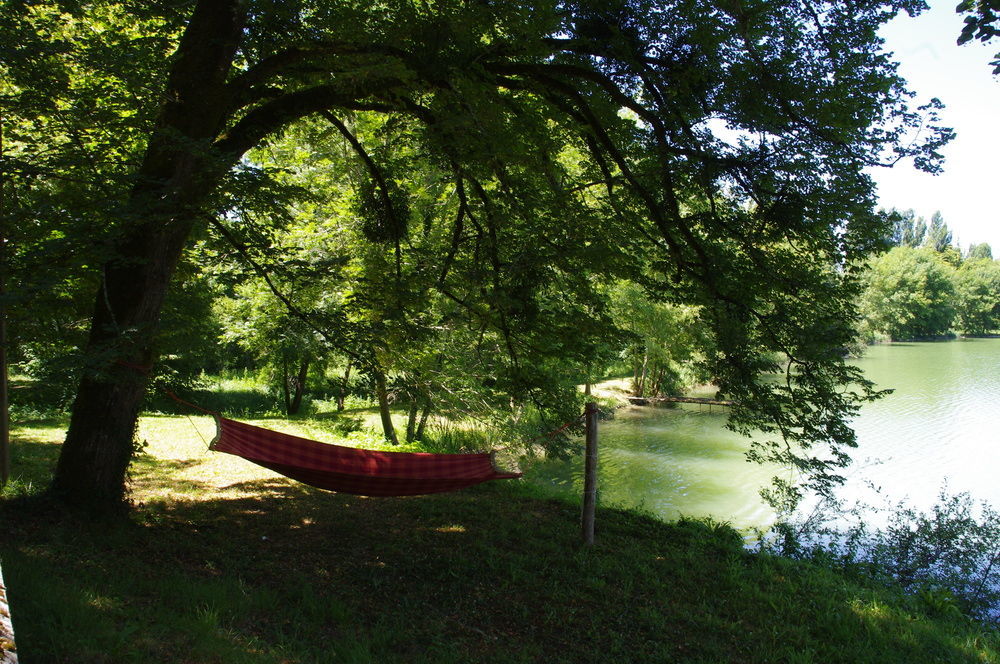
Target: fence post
590,474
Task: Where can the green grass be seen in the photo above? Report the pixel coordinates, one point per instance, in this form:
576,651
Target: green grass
222,561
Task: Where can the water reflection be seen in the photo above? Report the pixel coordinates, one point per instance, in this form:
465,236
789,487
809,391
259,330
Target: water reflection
671,462
942,421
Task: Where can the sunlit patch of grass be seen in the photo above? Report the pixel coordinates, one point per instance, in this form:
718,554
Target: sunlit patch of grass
34,448
454,528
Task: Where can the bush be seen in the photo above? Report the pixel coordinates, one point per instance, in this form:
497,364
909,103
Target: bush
948,556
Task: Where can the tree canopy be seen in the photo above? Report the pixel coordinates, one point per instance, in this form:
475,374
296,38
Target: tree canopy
498,163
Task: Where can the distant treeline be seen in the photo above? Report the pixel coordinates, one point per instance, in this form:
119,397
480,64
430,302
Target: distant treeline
926,287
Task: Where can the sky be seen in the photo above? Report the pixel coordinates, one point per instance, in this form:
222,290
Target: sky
968,192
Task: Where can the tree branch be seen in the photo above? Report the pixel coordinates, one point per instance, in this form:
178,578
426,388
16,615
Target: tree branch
285,61
244,252
281,111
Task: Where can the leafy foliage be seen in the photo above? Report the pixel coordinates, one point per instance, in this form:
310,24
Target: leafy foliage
980,250
912,293
982,22
908,229
938,234
668,342
909,294
948,556
977,287
495,166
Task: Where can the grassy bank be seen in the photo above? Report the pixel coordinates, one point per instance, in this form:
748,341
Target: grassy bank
224,562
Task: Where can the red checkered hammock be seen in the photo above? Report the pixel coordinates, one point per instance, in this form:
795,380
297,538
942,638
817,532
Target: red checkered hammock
352,470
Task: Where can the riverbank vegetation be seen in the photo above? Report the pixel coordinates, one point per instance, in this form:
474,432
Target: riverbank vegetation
948,554
251,567
924,287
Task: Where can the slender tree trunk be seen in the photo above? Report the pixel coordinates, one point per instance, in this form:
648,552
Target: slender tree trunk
343,387
411,418
382,394
4,410
641,387
286,389
299,384
656,383
423,419
177,173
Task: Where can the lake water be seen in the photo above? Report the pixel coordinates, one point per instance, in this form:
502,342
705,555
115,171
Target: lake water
941,423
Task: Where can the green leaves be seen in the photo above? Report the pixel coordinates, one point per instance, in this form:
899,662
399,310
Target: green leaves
490,169
982,22
977,290
909,294
384,210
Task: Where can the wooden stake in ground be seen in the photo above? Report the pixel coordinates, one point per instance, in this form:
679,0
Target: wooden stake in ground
590,474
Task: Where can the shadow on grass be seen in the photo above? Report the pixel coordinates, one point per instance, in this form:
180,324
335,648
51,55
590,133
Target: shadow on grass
32,462
156,475
484,574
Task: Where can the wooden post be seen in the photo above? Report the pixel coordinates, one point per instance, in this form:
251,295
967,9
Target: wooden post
590,474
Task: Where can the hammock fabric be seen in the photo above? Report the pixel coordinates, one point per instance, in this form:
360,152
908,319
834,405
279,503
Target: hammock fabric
352,470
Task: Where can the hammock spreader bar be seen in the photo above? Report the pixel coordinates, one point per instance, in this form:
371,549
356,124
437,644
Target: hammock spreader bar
352,470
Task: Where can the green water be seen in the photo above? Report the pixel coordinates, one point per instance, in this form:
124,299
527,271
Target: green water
941,423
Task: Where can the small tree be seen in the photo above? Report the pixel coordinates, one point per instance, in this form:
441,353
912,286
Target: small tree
938,235
981,250
908,229
667,340
258,323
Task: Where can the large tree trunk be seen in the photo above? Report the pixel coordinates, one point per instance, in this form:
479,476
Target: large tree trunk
178,172
99,443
